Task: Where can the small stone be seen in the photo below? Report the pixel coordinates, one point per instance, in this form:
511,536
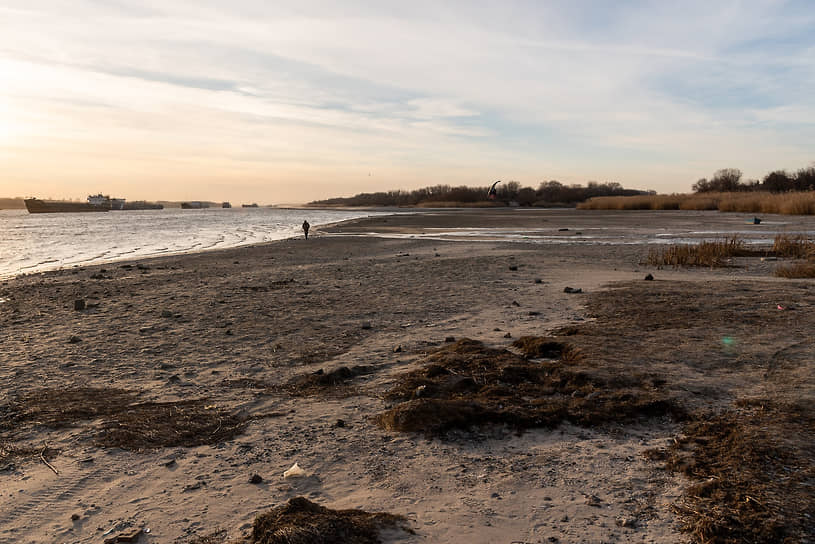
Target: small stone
366,325
256,479
397,349
166,313
450,339
626,522
229,332
508,335
649,277
513,267
572,290
74,339
175,378
74,517
170,464
79,304
515,303
340,423
534,313
538,280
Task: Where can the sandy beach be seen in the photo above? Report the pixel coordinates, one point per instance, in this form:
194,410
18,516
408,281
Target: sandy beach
153,402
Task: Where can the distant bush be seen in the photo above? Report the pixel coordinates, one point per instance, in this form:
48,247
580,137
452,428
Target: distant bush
548,193
728,180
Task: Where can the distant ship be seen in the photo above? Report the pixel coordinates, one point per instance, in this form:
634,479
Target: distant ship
95,203
142,205
194,205
252,205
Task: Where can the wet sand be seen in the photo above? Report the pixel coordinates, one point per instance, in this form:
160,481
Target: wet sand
232,328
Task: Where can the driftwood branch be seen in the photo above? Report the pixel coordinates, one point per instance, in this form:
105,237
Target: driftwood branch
49,465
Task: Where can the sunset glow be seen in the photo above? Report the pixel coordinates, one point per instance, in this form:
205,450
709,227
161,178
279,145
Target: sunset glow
298,101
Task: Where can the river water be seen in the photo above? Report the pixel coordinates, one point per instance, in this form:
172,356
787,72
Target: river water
38,242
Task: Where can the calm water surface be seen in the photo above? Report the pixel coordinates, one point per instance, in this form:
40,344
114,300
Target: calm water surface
37,242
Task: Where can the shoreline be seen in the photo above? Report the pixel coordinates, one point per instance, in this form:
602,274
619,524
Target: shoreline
233,331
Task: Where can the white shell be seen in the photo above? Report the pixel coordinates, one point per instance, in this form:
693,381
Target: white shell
294,472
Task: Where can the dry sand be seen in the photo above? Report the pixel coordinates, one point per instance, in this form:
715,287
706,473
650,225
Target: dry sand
232,328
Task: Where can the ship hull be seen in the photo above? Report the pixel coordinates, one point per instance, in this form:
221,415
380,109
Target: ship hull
35,205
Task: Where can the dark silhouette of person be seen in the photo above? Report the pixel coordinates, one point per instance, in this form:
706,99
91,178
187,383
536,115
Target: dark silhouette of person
306,226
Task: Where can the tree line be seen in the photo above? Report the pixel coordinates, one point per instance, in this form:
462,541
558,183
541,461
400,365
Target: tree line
548,194
728,180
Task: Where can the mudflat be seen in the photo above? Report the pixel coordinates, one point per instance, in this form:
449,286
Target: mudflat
451,381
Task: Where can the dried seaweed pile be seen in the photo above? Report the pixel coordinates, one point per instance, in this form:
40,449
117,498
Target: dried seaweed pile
467,384
301,521
57,408
754,470
152,425
125,423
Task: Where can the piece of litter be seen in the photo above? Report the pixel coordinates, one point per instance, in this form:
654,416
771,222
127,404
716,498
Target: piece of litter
294,472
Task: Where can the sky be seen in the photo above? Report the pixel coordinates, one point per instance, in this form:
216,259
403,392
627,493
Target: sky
287,102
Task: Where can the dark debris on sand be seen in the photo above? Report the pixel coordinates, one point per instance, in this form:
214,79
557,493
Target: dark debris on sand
335,382
466,384
301,521
126,423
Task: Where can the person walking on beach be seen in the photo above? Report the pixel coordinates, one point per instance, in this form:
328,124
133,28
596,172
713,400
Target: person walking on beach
306,226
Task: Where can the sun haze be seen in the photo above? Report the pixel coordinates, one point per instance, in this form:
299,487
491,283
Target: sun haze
295,101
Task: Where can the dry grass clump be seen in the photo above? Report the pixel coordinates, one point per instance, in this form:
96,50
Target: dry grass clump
792,203
754,469
125,423
301,521
798,246
796,270
707,253
467,384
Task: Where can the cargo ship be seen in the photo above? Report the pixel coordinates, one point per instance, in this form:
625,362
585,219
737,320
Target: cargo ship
95,203
194,205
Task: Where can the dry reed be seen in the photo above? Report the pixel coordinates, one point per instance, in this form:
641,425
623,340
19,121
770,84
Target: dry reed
792,203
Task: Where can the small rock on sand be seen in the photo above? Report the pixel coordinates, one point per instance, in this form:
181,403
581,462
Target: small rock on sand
79,304
649,277
573,290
